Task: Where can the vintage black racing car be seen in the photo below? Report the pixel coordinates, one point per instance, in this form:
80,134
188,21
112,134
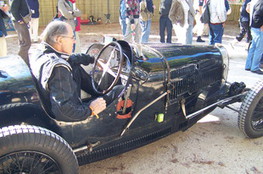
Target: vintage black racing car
168,88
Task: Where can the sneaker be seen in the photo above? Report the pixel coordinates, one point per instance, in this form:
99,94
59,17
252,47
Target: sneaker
199,39
258,72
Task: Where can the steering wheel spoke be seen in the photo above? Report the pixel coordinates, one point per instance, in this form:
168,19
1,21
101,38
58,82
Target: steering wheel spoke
108,68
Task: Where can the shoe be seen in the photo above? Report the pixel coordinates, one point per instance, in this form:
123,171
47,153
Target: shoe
261,65
247,69
258,72
199,39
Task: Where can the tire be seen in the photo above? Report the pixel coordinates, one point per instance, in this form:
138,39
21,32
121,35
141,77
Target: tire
22,147
250,119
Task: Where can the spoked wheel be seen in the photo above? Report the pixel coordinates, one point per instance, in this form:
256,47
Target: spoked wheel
250,119
107,68
24,162
34,150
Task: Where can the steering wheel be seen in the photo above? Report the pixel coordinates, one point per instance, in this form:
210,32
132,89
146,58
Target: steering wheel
107,68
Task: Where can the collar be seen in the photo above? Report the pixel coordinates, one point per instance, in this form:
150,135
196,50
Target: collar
49,49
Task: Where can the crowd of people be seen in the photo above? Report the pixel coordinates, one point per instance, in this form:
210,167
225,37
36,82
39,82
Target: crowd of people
136,20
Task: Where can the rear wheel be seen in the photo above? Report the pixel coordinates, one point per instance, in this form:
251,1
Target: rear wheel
34,150
250,119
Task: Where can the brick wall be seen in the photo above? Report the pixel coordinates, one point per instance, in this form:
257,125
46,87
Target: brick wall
98,8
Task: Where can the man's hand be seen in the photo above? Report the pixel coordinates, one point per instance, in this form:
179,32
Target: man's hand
98,105
261,28
133,26
77,59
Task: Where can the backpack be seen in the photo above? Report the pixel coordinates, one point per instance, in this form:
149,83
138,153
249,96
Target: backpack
205,17
145,15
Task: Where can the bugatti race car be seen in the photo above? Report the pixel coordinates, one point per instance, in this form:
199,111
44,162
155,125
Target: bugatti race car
168,88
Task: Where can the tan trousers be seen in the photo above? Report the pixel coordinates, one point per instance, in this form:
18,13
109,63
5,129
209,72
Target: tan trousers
3,47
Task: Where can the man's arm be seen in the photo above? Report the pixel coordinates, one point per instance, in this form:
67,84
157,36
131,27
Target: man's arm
14,8
66,13
65,103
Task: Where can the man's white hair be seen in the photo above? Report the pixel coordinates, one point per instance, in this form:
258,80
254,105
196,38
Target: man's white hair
53,30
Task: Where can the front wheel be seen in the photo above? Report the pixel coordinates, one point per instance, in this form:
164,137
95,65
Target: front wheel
34,150
250,119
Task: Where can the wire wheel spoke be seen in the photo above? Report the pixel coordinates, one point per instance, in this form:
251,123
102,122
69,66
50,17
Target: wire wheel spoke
28,162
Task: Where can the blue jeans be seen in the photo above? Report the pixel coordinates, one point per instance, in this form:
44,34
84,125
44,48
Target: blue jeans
123,25
146,29
255,50
165,23
216,33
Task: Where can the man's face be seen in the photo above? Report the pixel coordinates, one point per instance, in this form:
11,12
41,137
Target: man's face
68,41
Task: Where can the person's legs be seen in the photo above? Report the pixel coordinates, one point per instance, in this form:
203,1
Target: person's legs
3,47
211,34
251,50
115,93
162,29
189,34
216,33
219,31
128,33
34,28
247,29
137,31
146,29
258,49
242,33
24,40
123,25
169,27
199,27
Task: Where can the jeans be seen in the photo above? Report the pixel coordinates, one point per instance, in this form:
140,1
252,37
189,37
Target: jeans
24,40
255,50
123,25
216,33
146,29
165,23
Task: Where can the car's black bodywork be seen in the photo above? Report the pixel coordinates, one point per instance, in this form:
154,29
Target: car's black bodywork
179,84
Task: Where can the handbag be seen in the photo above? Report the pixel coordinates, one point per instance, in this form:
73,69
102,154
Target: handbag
27,18
205,17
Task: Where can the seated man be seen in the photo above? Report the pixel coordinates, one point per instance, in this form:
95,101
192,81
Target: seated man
60,77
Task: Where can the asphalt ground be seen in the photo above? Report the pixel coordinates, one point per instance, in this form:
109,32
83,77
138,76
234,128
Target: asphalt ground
214,145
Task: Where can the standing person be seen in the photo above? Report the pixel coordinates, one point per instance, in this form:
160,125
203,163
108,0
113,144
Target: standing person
218,14
256,49
122,17
244,23
164,21
3,48
34,23
69,13
199,26
18,9
182,16
146,10
132,21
